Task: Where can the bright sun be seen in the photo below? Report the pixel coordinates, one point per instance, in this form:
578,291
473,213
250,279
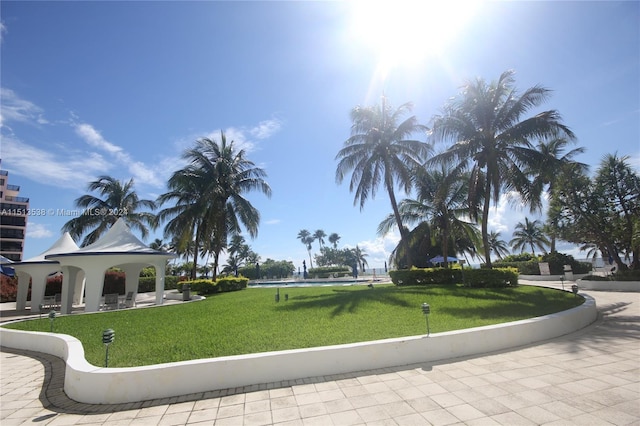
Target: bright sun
406,32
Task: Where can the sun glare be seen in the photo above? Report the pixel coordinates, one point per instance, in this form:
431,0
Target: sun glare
407,32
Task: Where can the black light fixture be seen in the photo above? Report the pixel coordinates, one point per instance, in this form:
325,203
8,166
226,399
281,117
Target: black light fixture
574,289
108,337
426,310
52,317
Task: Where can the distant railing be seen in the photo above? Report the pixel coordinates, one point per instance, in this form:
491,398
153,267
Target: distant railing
16,199
13,187
4,173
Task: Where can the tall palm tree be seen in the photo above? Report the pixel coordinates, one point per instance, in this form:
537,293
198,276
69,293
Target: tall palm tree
119,200
491,139
333,239
306,238
209,196
530,234
380,151
319,236
498,245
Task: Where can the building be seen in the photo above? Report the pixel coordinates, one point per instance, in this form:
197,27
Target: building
14,211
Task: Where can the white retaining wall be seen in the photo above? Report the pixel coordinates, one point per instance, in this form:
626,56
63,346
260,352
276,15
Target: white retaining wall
94,385
628,286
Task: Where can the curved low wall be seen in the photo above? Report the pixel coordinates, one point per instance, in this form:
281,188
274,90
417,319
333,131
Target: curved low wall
628,286
549,277
95,385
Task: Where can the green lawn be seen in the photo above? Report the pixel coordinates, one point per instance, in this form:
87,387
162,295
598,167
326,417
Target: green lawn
251,321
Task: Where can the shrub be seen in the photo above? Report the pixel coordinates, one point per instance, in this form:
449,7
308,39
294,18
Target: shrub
330,272
148,284
225,284
558,260
201,286
425,276
520,257
529,267
8,288
221,285
497,277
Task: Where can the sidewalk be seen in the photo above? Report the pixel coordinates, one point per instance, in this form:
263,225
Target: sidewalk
589,377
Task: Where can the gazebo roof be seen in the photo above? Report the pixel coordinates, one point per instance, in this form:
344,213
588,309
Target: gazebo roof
117,240
64,244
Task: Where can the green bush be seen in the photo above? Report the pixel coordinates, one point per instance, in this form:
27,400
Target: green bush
330,272
528,267
426,276
225,284
200,286
520,257
558,260
221,285
148,284
497,277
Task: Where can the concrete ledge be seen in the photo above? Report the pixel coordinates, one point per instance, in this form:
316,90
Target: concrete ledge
628,286
95,385
548,277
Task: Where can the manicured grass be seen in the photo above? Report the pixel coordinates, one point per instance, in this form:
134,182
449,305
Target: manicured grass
251,321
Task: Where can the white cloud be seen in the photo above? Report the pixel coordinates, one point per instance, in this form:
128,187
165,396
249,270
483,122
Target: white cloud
68,170
95,139
3,31
379,249
140,172
14,108
266,128
37,230
272,222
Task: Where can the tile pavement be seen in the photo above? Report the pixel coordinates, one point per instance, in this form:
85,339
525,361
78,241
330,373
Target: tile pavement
591,377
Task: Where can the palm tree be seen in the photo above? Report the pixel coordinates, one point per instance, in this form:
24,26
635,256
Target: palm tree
360,258
491,139
333,239
157,244
529,234
498,245
119,200
306,238
319,235
379,151
441,205
209,196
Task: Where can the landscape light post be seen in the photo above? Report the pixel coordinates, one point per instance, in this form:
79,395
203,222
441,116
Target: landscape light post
426,310
107,338
52,317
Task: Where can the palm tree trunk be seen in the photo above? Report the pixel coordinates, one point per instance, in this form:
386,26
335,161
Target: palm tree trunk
485,225
404,236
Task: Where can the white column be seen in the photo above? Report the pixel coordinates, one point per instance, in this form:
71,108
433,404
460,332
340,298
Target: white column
38,286
23,291
94,285
159,265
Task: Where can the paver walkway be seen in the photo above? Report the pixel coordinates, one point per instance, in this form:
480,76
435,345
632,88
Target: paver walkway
591,377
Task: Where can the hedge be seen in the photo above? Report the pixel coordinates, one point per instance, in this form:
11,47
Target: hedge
425,276
330,272
496,277
221,285
555,260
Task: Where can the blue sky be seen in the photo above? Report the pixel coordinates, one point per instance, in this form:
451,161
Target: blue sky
122,88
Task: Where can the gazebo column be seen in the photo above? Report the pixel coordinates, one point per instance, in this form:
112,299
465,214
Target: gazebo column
78,293
94,285
160,270
23,291
132,277
38,287
69,287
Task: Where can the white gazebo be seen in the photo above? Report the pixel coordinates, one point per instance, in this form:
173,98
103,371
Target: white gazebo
38,268
118,247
